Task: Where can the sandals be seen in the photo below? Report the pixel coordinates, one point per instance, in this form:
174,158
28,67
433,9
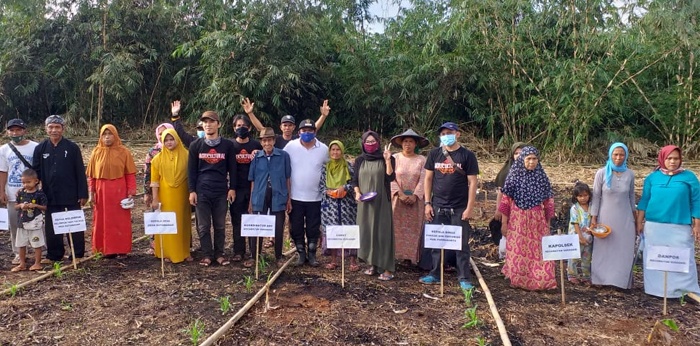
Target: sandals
268,243
36,267
19,268
205,262
237,258
385,276
223,261
249,263
331,266
370,271
354,267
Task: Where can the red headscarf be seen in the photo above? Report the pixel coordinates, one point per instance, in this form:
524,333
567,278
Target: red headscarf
663,154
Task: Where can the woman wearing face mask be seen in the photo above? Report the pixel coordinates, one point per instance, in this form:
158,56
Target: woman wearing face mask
111,177
526,207
669,215
374,173
612,204
170,193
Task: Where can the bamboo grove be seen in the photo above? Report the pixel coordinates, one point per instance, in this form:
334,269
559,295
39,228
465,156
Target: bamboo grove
568,75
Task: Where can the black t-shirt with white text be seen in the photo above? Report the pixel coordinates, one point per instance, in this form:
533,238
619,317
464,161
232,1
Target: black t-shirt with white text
450,187
244,156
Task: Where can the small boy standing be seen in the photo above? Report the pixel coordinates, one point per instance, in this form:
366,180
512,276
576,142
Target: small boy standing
31,206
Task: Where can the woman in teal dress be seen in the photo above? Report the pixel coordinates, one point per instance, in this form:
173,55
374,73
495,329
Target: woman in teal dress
669,213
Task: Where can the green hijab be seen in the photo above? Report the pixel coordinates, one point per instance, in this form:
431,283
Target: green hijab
503,173
337,172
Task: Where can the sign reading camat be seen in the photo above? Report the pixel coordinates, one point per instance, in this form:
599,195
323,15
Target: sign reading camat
159,222
560,247
666,258
257,225
68,222
343,237
443,237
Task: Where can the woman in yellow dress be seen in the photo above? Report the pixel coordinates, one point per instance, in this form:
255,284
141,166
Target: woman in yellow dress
169,183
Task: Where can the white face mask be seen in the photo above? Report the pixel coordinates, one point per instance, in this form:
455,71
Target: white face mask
200,133
448,140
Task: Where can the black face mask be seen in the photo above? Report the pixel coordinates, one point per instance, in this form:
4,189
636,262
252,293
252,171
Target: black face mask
242,132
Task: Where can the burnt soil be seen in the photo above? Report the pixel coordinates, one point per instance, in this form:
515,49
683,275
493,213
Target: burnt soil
127,302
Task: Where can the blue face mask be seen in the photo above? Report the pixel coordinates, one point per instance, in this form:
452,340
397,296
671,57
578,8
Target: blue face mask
307,136
448,140
200,134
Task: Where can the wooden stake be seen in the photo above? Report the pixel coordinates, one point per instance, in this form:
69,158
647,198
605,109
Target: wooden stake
694,296
665,282
442,272
257,257
162,257
561,275
342,267
492,305
72,248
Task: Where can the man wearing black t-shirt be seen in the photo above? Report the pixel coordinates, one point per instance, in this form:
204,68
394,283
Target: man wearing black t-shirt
450,195
244,148
287,125
211,163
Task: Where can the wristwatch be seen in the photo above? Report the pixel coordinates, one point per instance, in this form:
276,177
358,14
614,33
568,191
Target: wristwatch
428,203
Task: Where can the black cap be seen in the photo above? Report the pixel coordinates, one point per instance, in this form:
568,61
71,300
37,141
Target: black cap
307,123
16,122
288,119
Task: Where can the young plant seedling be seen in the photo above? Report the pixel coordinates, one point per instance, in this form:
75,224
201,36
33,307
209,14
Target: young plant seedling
472,319
66,306
195,331
287,244
481,341
225,304
14,289
671,324
468,296
248,281
262,263
682,300
97,256
57,270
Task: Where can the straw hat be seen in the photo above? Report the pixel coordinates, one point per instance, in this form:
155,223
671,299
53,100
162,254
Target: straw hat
420,140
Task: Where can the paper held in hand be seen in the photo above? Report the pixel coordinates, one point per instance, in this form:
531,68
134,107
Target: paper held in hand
160,222
70,221
443,237
560,247
257,225
666,258
343,237
4,219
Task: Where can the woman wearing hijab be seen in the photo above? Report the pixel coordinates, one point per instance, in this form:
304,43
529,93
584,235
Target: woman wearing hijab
407,195
374,171
526,207
170,193
147,193
669,215
515,150
338,207
612,204
111,176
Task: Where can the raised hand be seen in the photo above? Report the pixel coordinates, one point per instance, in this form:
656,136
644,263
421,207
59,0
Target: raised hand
247,105
175,108
325,110
387,152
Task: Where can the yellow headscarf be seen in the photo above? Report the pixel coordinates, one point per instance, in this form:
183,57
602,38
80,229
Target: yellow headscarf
337,173
110,162
172,164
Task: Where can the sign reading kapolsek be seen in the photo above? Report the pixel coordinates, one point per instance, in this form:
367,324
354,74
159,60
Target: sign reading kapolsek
445,237
68,222
257,225
666,258
560,247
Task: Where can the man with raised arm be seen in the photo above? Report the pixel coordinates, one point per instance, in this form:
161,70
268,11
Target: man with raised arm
287,125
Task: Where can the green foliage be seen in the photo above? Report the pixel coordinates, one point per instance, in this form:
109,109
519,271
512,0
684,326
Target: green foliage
248,282
670,324
57,270
224,304
195,331
468,296
472,318
13,290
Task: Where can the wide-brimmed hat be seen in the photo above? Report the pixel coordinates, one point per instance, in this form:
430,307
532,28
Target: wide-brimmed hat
267,132
420,140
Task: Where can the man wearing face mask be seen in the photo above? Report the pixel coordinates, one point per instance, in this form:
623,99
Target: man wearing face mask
308,156
450,196
15,157
244,148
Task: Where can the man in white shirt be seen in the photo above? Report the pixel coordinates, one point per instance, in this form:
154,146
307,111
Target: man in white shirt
11,168
308,156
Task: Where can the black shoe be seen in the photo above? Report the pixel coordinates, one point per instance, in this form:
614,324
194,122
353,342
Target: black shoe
312,259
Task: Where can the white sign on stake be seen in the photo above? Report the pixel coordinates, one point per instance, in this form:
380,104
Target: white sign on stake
160,222
443,237
4,219
560,247
70,221
257,225
343,237
666,258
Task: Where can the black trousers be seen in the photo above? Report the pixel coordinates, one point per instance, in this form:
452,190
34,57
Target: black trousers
453,217
238,208
54,242
279,227
211,211
305,220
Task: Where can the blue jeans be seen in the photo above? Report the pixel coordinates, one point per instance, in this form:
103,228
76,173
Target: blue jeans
453,217
211,210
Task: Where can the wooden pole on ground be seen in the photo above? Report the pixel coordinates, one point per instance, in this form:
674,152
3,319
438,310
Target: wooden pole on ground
72,248
257,257
665,287
694,296
342,267
492,305
162,257
442,272
561,276
220,332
